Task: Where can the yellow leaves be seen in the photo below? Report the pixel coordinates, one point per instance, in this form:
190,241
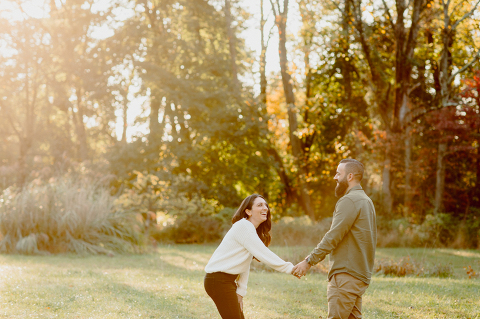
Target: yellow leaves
340,148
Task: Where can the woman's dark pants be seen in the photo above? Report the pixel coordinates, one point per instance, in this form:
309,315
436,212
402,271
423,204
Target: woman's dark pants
222,288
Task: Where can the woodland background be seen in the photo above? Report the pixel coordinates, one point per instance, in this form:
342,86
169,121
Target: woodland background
392,83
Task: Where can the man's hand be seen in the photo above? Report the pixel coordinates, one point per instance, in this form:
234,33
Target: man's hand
301,269
240,301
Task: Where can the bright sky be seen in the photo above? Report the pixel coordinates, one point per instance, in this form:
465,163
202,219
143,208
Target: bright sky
38,9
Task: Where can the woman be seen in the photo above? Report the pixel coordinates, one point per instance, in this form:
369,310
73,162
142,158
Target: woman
228,268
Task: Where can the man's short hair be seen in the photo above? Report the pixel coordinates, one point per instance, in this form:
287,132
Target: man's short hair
353,166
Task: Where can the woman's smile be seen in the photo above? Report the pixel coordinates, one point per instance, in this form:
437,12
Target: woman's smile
259,212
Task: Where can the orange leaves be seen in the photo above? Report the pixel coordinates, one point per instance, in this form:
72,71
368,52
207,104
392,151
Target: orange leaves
471,273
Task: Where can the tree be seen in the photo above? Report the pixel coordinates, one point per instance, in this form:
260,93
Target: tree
281,14
22,77
446,77
81,66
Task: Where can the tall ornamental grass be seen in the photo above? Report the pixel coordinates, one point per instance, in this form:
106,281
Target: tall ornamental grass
64,215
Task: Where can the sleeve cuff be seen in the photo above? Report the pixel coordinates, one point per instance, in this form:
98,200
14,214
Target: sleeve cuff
241,291
309,261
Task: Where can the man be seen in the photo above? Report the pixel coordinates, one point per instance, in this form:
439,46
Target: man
350,242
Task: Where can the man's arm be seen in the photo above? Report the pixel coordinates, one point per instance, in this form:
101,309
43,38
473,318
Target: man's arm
343,219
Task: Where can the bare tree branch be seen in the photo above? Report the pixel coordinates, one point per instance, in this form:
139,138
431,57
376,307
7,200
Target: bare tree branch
364,43
466,15
269,35
412,36
273,9
466,66
457,5
337,6
389,15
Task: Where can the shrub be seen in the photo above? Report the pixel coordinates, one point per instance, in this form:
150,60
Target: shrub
438,270
399,268
64,215
299,231
408,267
195,221
435,231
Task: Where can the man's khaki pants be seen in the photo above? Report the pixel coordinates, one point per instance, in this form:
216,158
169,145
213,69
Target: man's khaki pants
344,294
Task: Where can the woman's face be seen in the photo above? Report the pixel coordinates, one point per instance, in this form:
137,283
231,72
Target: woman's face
259,211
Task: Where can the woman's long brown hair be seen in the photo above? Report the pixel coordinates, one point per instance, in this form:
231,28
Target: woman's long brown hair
264,228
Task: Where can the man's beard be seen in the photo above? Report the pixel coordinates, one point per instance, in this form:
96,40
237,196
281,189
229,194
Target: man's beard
341,188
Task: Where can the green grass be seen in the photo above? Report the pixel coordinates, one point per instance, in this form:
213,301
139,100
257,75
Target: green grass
169,284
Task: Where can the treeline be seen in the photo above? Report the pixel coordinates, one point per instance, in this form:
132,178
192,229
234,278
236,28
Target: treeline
393,83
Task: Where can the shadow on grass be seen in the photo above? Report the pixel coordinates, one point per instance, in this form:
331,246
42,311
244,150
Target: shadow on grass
169,262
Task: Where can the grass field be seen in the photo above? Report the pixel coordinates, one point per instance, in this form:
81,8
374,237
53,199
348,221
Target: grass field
169,284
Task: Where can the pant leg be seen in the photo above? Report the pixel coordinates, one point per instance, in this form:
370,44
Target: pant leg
344,293
223,291
357,309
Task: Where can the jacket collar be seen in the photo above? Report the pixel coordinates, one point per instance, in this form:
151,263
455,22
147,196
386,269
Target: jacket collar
354,188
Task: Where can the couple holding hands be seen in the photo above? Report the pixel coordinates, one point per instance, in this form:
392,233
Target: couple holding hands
350,242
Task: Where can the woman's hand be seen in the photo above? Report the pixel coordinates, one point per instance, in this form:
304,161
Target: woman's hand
301,269
294,274
240,301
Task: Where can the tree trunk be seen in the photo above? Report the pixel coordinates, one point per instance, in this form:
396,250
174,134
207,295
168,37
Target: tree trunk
346,63
445,88
125,121
231,42
305,200
405,45
290,194
476,198
155,102
440,184
408,168
26,137
387,181
80,127
263,59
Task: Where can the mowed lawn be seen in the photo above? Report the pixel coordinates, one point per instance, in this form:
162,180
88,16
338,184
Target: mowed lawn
169,284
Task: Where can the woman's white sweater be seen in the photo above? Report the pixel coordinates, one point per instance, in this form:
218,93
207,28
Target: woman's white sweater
236,251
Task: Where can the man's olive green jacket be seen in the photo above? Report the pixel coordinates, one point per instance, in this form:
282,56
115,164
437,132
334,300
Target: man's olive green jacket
352,238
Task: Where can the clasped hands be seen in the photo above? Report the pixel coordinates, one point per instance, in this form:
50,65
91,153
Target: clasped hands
300,269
